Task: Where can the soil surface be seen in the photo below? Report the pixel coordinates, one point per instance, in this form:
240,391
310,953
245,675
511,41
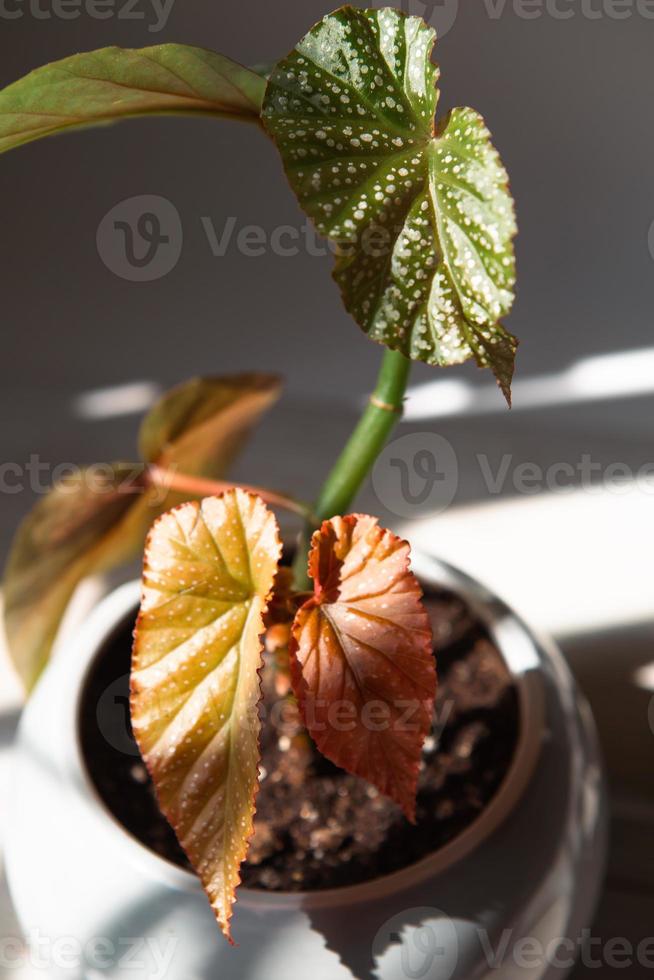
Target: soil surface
317,826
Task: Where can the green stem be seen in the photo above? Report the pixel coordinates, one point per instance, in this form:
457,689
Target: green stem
368,439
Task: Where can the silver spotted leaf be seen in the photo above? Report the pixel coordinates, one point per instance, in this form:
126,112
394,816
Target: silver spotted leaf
208,573
421,213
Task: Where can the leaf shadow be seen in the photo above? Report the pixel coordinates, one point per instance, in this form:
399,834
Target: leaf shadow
463,910
8,725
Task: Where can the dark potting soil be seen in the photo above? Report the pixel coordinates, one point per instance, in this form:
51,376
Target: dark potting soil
317,826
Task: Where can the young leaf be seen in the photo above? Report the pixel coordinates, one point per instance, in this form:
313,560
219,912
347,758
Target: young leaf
88,522
99,517
362,656
114,83
199,427
208,571
422,214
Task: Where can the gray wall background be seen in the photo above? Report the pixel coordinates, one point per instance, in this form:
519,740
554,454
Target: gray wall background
568,100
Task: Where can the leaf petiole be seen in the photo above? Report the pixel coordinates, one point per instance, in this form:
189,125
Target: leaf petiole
157,476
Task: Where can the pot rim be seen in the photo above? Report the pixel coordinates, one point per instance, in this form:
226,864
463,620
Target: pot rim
523,654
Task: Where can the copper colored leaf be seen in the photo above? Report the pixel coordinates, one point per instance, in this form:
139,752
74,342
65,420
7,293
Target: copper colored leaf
208,572
88,522
99,517
115,83
199,426
420,212
362,657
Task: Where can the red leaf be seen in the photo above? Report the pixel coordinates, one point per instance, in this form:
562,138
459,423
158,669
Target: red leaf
362,656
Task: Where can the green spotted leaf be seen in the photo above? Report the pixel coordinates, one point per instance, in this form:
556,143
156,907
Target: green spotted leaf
208,572
115,83
421,213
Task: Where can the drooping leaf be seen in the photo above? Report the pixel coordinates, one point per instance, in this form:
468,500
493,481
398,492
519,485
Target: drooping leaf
199,427
89,522
362,657
99,517
422,213
209,569
115,83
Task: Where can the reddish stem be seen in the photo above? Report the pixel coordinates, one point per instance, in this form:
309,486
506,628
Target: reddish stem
200,487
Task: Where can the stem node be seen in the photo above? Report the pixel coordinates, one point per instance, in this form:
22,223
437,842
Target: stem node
369,437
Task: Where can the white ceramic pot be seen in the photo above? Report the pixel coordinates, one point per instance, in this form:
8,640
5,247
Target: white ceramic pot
529,867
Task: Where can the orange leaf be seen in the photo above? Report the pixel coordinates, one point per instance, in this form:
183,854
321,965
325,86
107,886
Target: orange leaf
208,572
362,656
